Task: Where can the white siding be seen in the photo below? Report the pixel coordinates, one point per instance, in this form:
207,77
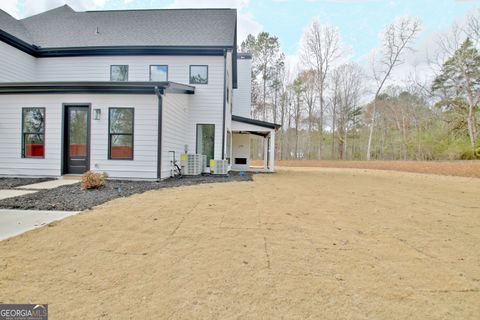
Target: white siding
206,105
144,164
241,149
175,133
182,112
15,65
242,95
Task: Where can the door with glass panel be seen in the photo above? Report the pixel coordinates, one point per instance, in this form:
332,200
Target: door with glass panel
76,139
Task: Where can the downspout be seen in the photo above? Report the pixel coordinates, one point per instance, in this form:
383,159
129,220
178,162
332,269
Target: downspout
159,94
224,102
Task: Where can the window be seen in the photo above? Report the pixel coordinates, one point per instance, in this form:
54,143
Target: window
198,74
206,140
158,73
120,133
33,132
119,73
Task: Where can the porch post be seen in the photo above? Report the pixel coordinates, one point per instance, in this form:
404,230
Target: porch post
265,153
271,165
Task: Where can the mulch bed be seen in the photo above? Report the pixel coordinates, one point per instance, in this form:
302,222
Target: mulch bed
73,198
10,183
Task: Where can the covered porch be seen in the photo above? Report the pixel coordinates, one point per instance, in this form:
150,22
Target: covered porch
243,130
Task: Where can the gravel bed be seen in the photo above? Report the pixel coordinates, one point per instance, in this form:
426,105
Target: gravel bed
10,183
73,198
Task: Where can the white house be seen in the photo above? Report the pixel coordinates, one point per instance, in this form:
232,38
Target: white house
118,91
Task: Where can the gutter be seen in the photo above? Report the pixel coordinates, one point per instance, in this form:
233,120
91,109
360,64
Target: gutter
159,93
224,101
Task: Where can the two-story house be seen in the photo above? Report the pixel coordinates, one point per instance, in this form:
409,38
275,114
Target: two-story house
118,91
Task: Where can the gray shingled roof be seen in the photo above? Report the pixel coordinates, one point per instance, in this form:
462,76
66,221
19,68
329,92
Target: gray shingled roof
14,27
64,27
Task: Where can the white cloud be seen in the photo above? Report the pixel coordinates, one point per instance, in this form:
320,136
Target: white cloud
246,21
10,7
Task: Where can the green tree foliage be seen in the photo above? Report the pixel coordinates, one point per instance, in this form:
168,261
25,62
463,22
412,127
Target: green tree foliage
266,62
459,87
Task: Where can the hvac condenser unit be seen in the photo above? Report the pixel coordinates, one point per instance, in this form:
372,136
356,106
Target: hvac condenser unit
192,164
219,166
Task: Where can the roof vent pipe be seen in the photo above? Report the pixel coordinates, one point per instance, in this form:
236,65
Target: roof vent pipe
97,31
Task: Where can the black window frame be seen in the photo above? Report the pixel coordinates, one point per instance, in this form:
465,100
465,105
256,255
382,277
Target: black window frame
110,134
190,73
157,65
117,65
25,133
196,140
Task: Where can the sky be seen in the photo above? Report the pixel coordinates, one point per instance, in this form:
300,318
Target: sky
360,22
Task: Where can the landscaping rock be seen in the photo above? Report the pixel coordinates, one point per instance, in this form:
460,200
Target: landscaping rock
74,198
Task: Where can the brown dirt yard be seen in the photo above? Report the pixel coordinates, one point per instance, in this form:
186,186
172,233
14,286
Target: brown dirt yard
447,168
304,243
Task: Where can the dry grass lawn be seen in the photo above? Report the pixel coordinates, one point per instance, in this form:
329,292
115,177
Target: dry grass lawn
305,243
446,168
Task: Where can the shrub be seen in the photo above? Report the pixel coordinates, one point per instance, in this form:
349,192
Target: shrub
93,180
477,152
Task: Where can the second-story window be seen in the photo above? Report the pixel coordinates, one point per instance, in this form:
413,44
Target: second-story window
119,73
198,74
158,73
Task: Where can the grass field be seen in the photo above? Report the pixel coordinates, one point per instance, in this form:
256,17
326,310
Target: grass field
304,243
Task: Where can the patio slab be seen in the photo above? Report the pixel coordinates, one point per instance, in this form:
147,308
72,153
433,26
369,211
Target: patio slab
15,222
10,193
49,184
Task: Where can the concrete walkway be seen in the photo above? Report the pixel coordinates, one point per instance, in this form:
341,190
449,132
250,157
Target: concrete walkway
48,184
15,222
9,193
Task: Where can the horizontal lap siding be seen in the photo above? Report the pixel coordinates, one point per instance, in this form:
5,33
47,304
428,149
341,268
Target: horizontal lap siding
15,65
174,130
11,161
144,164
241,96
205,106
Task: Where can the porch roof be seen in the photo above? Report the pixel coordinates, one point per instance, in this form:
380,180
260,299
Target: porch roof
252,122
127,87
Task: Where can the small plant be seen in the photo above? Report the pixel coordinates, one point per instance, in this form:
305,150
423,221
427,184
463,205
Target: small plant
93,180
477,152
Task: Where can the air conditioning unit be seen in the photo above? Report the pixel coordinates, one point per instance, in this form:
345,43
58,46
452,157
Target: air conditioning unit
192,164
219,166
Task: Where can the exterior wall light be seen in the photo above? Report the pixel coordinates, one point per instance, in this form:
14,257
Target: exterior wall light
96,114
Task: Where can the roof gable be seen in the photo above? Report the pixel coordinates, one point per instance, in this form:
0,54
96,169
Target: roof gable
63,27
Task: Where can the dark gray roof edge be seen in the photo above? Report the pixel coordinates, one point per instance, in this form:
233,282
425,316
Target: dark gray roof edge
162,9
110,50
129,87
244,55
256,122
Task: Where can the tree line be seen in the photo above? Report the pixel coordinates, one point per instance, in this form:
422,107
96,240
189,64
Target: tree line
333,108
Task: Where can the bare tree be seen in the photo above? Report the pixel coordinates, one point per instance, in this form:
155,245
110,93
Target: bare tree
473,27
348,87
321,47
297,88
309,94
397,38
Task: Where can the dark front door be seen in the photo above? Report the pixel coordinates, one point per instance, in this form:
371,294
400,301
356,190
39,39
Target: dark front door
77,139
